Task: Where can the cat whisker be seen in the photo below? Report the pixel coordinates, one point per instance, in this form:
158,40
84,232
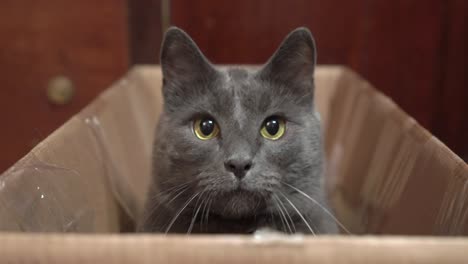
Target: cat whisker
208,211
178,191
321,206
194,216
166,181
288,215
178,194
282,215
172,179
172,189
203,204
299,213
273,222
207,200
180,211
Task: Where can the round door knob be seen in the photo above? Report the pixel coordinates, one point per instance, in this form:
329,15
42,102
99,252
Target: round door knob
60,90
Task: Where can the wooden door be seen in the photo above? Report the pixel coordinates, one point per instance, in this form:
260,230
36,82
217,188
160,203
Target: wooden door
84,42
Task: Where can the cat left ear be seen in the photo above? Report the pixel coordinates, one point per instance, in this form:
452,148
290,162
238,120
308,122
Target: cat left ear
181,59
293,63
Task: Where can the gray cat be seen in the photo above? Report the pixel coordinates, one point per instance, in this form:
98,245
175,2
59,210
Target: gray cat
238,149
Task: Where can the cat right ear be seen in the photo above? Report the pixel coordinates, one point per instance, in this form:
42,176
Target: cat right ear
181,59
293,63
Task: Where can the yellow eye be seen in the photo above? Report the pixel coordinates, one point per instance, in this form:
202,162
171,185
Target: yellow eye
273,128
205,128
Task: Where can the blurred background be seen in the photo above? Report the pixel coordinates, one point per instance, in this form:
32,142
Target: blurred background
57,55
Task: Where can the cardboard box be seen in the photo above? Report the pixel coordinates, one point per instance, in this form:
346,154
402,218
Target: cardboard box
385,175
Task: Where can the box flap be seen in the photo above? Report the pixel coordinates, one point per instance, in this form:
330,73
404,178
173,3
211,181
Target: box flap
21,248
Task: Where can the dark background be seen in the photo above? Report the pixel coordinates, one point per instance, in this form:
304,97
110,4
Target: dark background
415,51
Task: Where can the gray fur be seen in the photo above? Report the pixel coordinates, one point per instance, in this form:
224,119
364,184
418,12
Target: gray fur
239,99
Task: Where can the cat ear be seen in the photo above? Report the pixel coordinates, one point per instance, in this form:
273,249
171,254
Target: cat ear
293,63
181,59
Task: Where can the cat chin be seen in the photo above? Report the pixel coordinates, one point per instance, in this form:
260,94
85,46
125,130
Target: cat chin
240,204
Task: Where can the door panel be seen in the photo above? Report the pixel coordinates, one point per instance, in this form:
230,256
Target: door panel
85,41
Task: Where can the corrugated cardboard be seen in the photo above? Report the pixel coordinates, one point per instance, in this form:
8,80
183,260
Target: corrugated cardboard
385,175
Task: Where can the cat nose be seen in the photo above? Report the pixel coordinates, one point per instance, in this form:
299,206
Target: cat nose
238,166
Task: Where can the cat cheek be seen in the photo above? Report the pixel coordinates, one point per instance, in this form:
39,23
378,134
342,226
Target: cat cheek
285,153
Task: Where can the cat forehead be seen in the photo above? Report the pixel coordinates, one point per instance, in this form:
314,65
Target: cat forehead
242,85
237,74
238,84
244,90
237,77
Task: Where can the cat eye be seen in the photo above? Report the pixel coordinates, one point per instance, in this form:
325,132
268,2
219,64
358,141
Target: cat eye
273,128
205,128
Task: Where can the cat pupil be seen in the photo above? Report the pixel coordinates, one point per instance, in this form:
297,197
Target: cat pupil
272,126
207,126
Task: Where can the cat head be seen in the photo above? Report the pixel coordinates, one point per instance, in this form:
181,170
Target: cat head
236,136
